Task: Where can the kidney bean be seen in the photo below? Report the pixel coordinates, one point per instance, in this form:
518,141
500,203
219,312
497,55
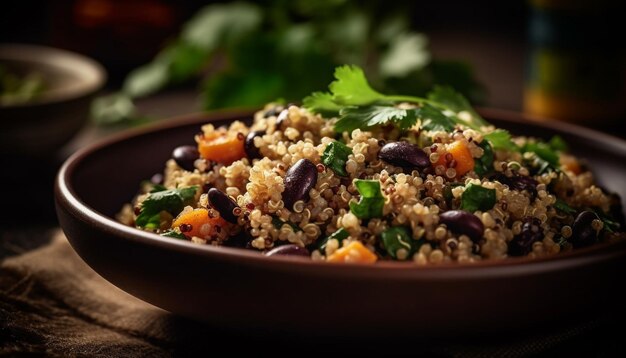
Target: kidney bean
531,232
404,154
463,223
222,203
252,151
299,180
583,233
185,156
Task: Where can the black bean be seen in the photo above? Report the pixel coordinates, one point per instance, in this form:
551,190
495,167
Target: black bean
274,111
288,250
225,205
282,117
185,156
252,151
404,154
463,223
583,233
518,182
299,180
531,232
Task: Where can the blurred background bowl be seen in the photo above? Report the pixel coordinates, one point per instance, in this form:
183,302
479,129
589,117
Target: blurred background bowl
40,127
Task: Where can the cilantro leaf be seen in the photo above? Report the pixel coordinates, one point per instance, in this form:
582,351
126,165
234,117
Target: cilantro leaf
501,139
157,187
559,144
564,207
173,201
476,197
174,234
399,237
544,152
368,116
372,200
484,164
456,102
339,235
351,87
335,157
278,224
434,120
322,103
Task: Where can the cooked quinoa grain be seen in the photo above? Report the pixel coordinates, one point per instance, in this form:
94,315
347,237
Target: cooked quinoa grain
460,199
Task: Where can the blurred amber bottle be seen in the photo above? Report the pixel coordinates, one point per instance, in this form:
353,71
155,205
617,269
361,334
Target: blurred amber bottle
577,61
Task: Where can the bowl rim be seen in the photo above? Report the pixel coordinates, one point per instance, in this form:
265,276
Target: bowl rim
90,74
67,198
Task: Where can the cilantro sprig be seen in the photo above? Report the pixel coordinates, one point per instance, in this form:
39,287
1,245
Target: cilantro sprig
358,105
172,201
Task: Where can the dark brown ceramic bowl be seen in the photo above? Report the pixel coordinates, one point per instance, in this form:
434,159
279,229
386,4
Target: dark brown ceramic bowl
239,288
40,127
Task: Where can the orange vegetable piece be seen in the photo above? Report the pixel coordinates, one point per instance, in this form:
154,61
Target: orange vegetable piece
461,154
353,252
221,146
192,223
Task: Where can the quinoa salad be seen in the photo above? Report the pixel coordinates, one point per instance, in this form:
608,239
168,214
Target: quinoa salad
353,175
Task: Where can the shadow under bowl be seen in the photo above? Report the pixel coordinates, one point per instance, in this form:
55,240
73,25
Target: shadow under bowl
242,289
38,128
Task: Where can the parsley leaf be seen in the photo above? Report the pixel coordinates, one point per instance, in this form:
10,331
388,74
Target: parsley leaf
476,197
369,116
173,201
501,139
351,87
559,144
338,235
335,157
372,201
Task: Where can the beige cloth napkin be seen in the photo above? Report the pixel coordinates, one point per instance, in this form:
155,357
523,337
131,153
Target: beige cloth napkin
51,302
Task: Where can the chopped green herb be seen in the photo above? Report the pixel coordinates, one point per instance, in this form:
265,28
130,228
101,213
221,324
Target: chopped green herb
157,188
476,197
172,201
372,201
564,207
278,224
360,106
501,139
335,157
434,120
559,144
399,238
338,235
455,102
484,164
369,116
174,234
544,151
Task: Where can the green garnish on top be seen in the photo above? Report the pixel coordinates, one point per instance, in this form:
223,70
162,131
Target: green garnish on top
335,157
172,201
372,200
359,106
476,197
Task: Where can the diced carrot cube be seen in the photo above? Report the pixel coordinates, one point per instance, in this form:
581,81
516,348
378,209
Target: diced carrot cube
353,252
197,222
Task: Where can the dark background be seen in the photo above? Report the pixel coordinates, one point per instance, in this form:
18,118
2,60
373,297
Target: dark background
123,34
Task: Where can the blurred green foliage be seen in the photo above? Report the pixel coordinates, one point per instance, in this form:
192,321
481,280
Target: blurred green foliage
247,54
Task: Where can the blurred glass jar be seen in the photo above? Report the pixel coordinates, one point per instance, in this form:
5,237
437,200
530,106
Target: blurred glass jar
577,61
